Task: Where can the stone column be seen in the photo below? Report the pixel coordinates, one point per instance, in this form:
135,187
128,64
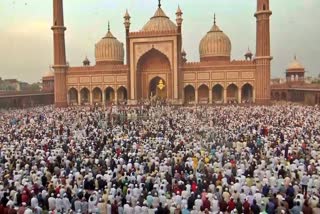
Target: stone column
224,95
196,98
116,97
253,95
91,98
68,99
183,96
210,96
239,96
79,98
103,98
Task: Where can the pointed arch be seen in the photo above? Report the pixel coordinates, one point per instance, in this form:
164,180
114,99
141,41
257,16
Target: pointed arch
73,96
217,94
153,61
203,94
156,56
232,93
247,93
110,95
122,94
189,94
85,96
147,49
97,95
155,91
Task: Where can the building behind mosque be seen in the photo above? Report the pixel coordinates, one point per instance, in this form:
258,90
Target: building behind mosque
157,67
296,87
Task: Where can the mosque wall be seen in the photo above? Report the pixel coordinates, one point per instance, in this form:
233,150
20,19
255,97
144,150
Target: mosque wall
219,82
102,81
92,84
155,53
312,98
222,74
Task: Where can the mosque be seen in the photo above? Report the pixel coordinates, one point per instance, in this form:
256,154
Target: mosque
156,65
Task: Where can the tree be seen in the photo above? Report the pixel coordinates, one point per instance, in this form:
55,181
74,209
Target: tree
35,87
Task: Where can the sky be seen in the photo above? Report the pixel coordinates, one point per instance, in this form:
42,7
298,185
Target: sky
26,46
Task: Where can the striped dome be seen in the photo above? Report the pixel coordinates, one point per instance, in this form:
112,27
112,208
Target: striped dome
215,44
109,50
159,22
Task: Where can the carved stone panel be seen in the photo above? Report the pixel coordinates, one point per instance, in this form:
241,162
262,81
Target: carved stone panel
247,75
84,79
204,76
217,76
121,78
97,79
72,80
109,79
189,76
232,75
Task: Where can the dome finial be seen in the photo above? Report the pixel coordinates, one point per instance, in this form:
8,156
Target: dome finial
126,15
108,26
159,5
214,19
179,10
295,56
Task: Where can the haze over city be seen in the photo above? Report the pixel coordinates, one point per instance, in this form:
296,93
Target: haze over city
26,37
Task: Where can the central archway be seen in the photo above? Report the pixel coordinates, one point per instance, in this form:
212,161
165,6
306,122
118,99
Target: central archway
158,88
151,65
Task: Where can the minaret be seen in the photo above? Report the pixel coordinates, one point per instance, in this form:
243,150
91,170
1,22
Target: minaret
127,27
179,21
179,24
263,58
60,65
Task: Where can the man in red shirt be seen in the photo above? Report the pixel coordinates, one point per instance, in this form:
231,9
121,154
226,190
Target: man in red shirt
206,204
231,205
246,207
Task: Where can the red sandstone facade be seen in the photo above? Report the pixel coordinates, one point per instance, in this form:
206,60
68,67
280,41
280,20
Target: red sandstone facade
157,66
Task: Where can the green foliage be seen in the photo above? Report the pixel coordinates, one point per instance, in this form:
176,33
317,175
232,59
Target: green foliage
35,87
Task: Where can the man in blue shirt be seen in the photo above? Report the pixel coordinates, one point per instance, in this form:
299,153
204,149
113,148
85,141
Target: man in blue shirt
270,209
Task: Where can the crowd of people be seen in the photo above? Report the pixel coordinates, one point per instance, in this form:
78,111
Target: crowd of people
160,159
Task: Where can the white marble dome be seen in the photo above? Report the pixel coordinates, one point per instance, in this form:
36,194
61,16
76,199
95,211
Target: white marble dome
215,44
109,50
